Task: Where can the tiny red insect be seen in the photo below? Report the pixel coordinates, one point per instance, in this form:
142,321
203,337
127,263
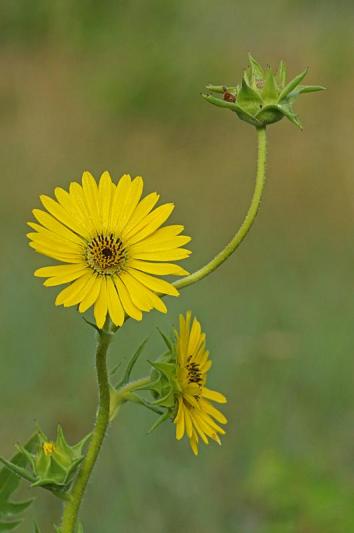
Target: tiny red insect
228,97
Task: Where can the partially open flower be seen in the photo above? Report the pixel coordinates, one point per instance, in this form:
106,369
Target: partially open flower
263,97
180,386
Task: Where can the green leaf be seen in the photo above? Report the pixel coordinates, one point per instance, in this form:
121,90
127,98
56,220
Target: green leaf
167,341
18,471
9,508
36,528
292,84
9,481
131,364
8,526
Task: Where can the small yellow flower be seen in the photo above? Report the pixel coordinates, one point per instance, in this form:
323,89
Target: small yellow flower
196,415
112,245
48,448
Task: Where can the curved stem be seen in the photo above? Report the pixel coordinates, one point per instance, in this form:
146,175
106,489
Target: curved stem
246,224
71,510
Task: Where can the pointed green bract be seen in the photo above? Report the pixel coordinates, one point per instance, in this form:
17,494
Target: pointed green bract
263,97
10,511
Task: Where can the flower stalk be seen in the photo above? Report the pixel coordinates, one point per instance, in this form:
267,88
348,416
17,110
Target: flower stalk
72,507
239,236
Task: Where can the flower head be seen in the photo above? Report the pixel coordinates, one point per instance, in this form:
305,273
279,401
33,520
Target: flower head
111,246
196,416
262,97
179,384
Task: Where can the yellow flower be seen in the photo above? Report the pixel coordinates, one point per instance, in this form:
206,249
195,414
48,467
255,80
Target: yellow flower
196,415
112,245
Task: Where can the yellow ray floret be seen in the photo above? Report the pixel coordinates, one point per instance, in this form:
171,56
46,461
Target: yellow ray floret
110,245
196,416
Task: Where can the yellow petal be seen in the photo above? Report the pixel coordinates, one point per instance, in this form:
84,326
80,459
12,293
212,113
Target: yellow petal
141,211
159,269
66,278
115,308
90,192
155,284
179,421
77,198
66,201
120,195
56,270
101,307
212,411
131,201
194,336
90,294
59,256
146,245
62,215
213,395
127,303
74,290
149,224
137,292
194,445
163,255
104,199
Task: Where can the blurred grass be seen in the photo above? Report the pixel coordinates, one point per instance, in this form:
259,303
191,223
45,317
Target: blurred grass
116,85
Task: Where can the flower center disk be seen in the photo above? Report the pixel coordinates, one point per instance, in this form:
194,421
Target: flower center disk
106,254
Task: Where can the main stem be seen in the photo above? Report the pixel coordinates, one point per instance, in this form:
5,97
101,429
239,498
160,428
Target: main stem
71,510
246,225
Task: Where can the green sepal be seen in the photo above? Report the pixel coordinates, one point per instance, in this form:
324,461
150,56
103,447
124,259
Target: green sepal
257,71
305,89
220,89
248,96
292,84
92,324
159,421
290,115
281,74
220,103
270,89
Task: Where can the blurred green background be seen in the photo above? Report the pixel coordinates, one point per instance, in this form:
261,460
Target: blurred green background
115,85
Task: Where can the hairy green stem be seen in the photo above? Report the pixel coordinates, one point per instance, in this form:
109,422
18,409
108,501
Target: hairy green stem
71,509
246,225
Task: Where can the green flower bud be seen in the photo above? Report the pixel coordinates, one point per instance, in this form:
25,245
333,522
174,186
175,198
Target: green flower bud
263,97
54,464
